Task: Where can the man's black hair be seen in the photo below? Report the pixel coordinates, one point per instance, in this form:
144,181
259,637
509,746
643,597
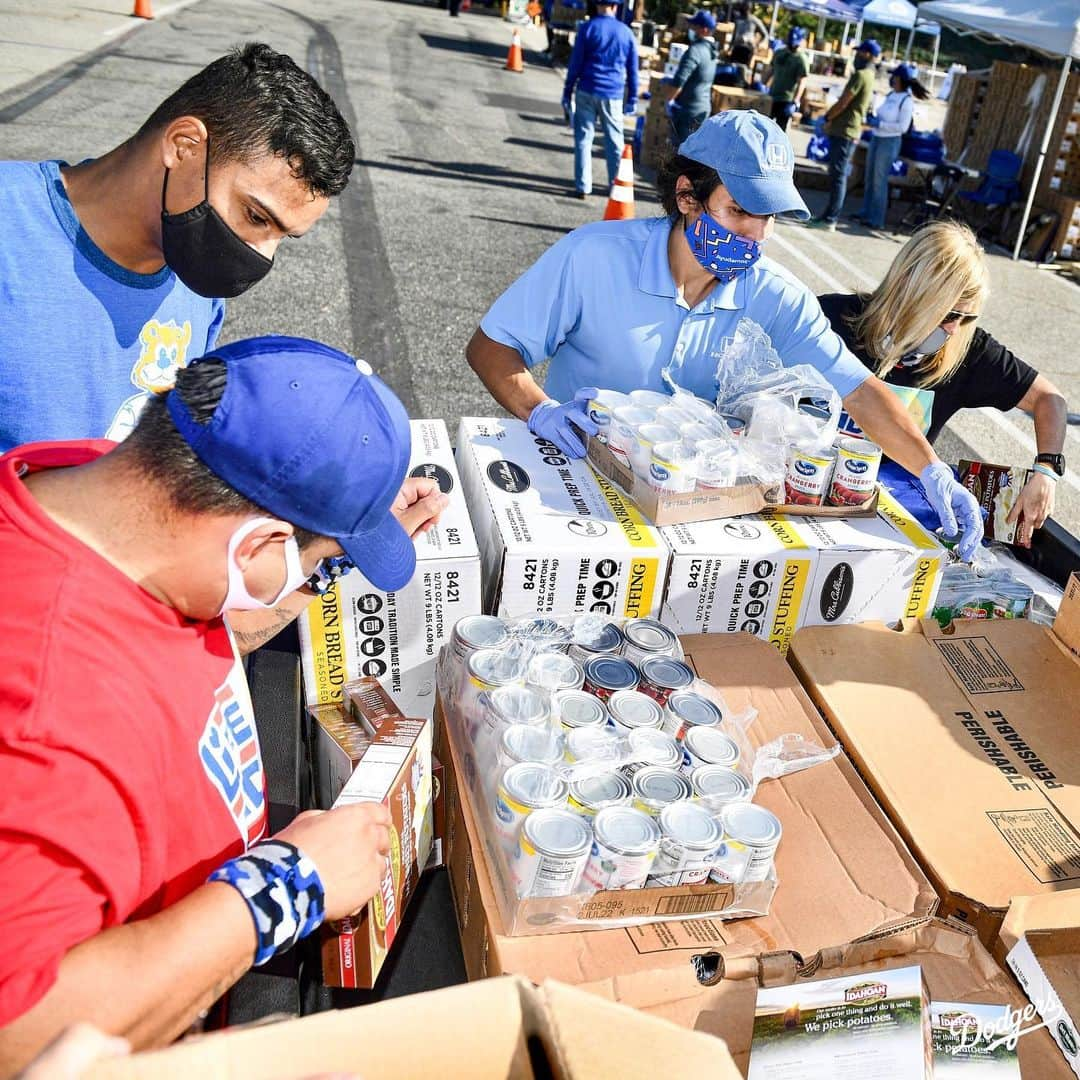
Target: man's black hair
704,180
255,101
161,452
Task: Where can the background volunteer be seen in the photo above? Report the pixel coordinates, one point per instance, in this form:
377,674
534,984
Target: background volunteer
602,83
690,95
844,125
129,753
613,303
790,68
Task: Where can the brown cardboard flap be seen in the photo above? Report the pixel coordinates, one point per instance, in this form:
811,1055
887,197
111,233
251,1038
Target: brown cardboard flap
1050,911
1067,623
966,738
955,965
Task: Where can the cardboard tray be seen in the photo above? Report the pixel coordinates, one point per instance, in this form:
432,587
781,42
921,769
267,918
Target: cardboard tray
666,508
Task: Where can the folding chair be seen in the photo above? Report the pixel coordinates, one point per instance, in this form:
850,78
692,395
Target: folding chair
990,202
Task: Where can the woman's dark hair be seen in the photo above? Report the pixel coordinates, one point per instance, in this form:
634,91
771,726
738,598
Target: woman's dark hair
909,82
704,180
255,101
158,450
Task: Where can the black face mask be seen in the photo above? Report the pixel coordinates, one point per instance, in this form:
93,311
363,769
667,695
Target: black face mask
861,62
204,253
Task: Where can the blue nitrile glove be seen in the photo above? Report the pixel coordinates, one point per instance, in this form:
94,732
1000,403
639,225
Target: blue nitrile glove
670,108
957,509
630,108
556,422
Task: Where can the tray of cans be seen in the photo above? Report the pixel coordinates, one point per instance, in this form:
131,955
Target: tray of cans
611,785
680,466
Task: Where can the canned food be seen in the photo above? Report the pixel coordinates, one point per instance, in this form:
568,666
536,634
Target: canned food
523,788
704,745
552,850
625,843
577,709
695,433
661,676
591,744
719,784
857,463
478,632
686,709
604,675
651,747
689,839
675,416
622,435
525,742
719,465
736,424
648,435
515,705
629,710
551,671
673,467
648,637
806,481
751,837
543,633
655,787
649,399
593,793
487,670
599,638
602,406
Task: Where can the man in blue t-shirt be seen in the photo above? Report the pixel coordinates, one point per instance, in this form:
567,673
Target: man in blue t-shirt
602,81
113,271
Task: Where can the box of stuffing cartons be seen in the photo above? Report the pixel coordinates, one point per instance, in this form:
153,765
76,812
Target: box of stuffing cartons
553,535
356,629
769,574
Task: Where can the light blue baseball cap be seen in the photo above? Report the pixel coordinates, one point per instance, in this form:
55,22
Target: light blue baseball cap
753,158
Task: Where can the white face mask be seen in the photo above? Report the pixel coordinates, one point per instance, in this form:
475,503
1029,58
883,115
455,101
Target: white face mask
238,598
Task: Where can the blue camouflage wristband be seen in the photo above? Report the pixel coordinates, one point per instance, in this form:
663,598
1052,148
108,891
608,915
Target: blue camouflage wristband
283,892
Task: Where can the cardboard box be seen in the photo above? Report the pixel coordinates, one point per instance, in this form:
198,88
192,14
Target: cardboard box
963,736
769,574
718,997
339,743
843,871
553,535
964,1039
369,703
735,97
396,771
500,1029
996,488
674,508
437,857
356,629
1042,936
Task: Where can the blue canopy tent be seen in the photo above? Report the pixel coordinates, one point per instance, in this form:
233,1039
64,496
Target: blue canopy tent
900,15
838,10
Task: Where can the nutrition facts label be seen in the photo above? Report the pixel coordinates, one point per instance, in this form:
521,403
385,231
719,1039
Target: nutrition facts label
1042,842
978,666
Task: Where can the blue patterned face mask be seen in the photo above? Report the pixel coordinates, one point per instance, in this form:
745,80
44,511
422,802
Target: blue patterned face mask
719,250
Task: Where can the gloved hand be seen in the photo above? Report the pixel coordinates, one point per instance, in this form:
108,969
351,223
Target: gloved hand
556,422
670,109
956,508
630,108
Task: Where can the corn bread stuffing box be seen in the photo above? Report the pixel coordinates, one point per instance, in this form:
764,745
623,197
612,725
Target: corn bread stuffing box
968,738
842,869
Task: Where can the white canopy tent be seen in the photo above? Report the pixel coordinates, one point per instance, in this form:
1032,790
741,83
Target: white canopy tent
1049,26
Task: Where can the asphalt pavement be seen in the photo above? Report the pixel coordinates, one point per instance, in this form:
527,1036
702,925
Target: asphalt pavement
463,179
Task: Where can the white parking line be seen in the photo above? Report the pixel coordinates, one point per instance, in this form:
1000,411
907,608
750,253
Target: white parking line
159,13
809,263
850,267
1002,421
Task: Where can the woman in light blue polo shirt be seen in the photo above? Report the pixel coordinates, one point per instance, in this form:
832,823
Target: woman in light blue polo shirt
616,301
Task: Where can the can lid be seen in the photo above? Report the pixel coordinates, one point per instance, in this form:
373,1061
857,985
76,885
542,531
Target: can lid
661,783
665,671
557,832
482,631
534,784
719,780
595,742
554,671
633,709
658,747
497,666
693,708
518,704
649,634
626,830
603,788
712,745
750,823
596,633
611,672
532,742
577,709
692,825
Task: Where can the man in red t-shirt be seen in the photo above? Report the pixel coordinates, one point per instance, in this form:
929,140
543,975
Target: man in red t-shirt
129,760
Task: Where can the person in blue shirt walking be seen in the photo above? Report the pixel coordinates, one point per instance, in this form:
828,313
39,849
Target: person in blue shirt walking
602,82
113,271
691,94
615,302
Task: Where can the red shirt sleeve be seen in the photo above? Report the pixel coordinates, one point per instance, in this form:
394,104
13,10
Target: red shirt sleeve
64,832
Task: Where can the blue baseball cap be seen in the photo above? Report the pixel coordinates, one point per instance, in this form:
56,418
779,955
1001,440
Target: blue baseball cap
796,36
753,158
908,72
870,46
704,19
315,438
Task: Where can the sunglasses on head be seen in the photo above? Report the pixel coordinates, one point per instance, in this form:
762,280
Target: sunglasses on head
327,573
962,317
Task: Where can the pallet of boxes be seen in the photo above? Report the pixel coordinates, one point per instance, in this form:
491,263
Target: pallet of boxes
656,134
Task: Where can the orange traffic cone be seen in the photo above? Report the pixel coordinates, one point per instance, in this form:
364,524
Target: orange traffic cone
620,204
142,10
514,61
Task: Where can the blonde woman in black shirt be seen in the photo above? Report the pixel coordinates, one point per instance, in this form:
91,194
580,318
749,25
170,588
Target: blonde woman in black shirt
918,332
